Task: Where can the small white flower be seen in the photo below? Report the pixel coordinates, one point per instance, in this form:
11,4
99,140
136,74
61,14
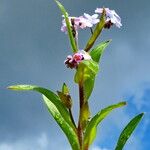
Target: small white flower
91,20
86,55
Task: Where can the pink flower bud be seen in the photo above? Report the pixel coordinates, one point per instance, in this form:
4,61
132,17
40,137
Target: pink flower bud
73,61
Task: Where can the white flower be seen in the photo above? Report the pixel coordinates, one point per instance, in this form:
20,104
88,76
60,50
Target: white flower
111,16
81,22
86,55
91,20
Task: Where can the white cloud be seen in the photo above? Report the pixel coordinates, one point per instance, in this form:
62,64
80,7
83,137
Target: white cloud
138,94
39,143
98,148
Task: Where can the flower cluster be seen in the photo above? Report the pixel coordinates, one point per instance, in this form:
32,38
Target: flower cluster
87,20
111,17
72,61
81,22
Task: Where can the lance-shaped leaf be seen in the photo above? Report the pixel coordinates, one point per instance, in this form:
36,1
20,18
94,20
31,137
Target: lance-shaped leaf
69,29
70,133
65,89
56,108
97,52
128,130
88,87
85,74
90,132
96,32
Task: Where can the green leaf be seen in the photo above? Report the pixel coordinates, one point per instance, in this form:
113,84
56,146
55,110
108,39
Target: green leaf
128,130
57,109
64,12
70,133
65,89
97,52
88,87
90,132
86,69
85,74
96,33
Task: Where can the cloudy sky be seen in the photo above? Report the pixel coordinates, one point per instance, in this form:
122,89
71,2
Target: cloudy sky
32,51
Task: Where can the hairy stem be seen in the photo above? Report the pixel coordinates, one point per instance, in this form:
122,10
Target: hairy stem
74,32
86,148
76,40
81,102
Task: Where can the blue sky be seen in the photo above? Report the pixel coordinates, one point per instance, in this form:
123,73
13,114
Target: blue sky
32,51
